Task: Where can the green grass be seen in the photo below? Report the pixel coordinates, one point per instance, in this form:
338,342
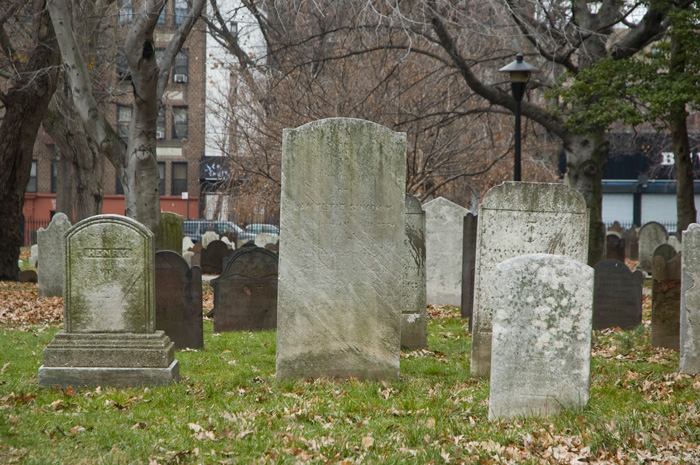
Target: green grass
228,408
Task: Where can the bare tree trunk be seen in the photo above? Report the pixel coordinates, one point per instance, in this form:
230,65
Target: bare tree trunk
64,187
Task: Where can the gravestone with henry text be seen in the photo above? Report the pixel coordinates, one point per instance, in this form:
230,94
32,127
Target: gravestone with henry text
468,266
519,218
541,357
666,298
444,222
651,235
341,250
171,232
617,296
179,300
52,256
109,336
213,256
414,318
690,301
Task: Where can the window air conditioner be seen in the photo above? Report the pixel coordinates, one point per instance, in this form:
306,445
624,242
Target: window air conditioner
180,78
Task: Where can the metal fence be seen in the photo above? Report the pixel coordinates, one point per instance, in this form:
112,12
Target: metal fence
29,230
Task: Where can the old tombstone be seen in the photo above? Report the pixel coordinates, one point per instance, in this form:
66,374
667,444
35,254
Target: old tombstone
171,232
108,336
666,299
34,256
617,227
444,221
53,258
188,256
228,242
414,318
674,242
209,237
468,266
690,302
27,276
518,218
262,239
179,300
541,356
213,256
617,296
342,249
631,238
615,249
187,244
245,295
651,235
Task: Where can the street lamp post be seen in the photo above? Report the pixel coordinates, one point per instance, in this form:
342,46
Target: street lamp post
519,72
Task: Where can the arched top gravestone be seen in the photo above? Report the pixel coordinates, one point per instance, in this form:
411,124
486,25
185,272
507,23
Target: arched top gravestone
52,254
651,235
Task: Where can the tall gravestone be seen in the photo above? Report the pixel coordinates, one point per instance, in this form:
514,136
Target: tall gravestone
341,250
651,235
213,256
108,336
518,218
444,221
171,232
541,336
690,301
666,298
617,296
414,318
615,249
179,300
52,256
468,266
245,295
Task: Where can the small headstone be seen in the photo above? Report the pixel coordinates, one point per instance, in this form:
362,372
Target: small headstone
615,246
541,336
34,255
690,302
187,244
179,300
209,237
273,247
519,218
27,276
245,295
188,258
228,243
231,235
262,239
468,266
631,238
674,242
444,221
617,296
213,256
109,304
414,318
341,254
651,235
617,227
666,299
53,257
171,232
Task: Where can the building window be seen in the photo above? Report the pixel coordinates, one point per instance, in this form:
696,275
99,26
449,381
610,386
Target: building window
123,119
160,124
54,176
179,179
31,187
126,12
179,123
161,174
181,67
123,70
180,11
119,189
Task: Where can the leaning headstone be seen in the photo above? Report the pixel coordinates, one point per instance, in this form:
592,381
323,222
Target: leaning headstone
27,276
245,295
690,302
444,221
34,255
617,296
615,246
541,355
342,249
651,235
468,266
187,244
108,336
171,232
53,257
666,300
213,256
414,318
631,238
179,300
674,242
262,239
209,237
518,218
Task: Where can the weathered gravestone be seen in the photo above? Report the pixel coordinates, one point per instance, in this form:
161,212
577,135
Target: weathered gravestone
262,239
27,276
666,298
209,237
179,300
53,256
674,242
245,295
617,296
414,318
518,218
615,249
171,232
468,266
651,235
187,244
109,337
690,301
631,238
213,256
34,255
444,221
617,227
541,336
342,250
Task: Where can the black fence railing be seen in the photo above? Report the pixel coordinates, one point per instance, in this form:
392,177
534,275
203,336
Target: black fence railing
29,230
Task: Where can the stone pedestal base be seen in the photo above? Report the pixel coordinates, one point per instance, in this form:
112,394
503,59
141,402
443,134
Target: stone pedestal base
106,376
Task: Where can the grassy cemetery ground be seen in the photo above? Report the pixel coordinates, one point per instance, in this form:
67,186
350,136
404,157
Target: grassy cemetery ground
228,407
